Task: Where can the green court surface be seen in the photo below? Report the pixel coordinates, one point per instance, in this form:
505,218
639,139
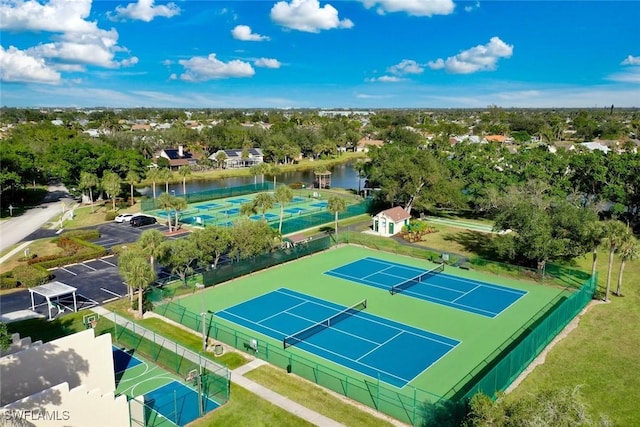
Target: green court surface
224,211
480,337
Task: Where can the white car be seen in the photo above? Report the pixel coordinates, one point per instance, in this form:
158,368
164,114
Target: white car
124,217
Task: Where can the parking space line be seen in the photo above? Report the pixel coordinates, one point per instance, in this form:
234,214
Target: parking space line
111,292
68,271
107,262
89,267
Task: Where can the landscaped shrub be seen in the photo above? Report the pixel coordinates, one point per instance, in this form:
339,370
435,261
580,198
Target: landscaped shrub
69,246
110,216
7,281
83,251
416,230
82,234
31,275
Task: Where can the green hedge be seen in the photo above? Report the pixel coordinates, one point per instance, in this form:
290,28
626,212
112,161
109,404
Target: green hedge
82,234
7,281
30,275
90,251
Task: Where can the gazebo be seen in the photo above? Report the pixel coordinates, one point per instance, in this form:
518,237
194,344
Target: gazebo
53,290
323,179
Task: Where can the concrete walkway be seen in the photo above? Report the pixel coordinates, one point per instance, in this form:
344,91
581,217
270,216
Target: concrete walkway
236,375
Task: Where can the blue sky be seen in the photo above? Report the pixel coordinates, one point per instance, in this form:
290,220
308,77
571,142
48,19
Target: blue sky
319,54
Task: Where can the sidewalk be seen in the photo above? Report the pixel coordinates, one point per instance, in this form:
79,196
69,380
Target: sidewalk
236,375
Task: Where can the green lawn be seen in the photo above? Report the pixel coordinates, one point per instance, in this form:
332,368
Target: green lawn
313,397
602,354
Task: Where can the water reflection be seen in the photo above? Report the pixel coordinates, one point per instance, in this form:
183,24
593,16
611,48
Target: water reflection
342,176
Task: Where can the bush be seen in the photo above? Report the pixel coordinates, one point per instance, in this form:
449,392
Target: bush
7,281
31,275
110,216
82,234
416,230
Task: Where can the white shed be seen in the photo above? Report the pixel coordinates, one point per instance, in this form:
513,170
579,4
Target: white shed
390,222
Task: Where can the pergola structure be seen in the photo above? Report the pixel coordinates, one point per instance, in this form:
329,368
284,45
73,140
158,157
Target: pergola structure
53,290
323,179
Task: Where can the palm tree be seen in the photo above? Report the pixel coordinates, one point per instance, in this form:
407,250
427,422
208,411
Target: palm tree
111,184
165,201
132,178
282,195
138,273
263,202
165,175
123,260
615,234
335,205
259,169
178,204
184,172
629,251
274,170
151,245
248,209
87,182
154,176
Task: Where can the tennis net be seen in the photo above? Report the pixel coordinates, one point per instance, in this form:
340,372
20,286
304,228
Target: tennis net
414,280
302,335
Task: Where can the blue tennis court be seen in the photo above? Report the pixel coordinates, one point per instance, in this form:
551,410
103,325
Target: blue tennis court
122,360
320,204
232,211
207,217
207,206
239,201
383,349
177,402
469,295
298,199
294,210
267,216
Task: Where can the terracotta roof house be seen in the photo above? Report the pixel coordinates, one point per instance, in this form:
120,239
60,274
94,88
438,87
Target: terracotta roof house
364,144
390,222
496,138
179,157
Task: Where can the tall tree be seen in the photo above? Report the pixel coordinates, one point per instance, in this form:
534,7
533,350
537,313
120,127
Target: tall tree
151,245
181,256
263,202
154,176
274,170
213,242
132,179
111,184
629,251
259,169
335,205
87,182
178,204
615,234
165,201
248,209
282,195
184,172
138,273
165,175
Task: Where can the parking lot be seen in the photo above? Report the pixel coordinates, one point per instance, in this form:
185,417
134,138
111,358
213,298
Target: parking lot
97,281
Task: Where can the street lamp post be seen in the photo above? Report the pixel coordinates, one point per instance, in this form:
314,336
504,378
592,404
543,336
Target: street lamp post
204,328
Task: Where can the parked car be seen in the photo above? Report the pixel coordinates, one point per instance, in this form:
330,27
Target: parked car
124,217
140,220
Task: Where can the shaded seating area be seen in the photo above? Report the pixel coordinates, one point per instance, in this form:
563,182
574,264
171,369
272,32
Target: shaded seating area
52,292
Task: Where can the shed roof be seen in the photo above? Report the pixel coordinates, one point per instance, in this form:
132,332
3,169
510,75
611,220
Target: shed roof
396,214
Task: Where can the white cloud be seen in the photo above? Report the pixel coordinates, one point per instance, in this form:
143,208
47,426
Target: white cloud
244,33
386,79
472,7
631,60
478,58
54,16
18,66
308,16
411,7
267,63
144,10
406,66
202,68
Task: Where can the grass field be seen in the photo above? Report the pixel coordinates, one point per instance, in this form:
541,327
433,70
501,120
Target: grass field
480,336
602,354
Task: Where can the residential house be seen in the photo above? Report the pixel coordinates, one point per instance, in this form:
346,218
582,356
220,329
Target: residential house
390,222
496,138
179,157
239,158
